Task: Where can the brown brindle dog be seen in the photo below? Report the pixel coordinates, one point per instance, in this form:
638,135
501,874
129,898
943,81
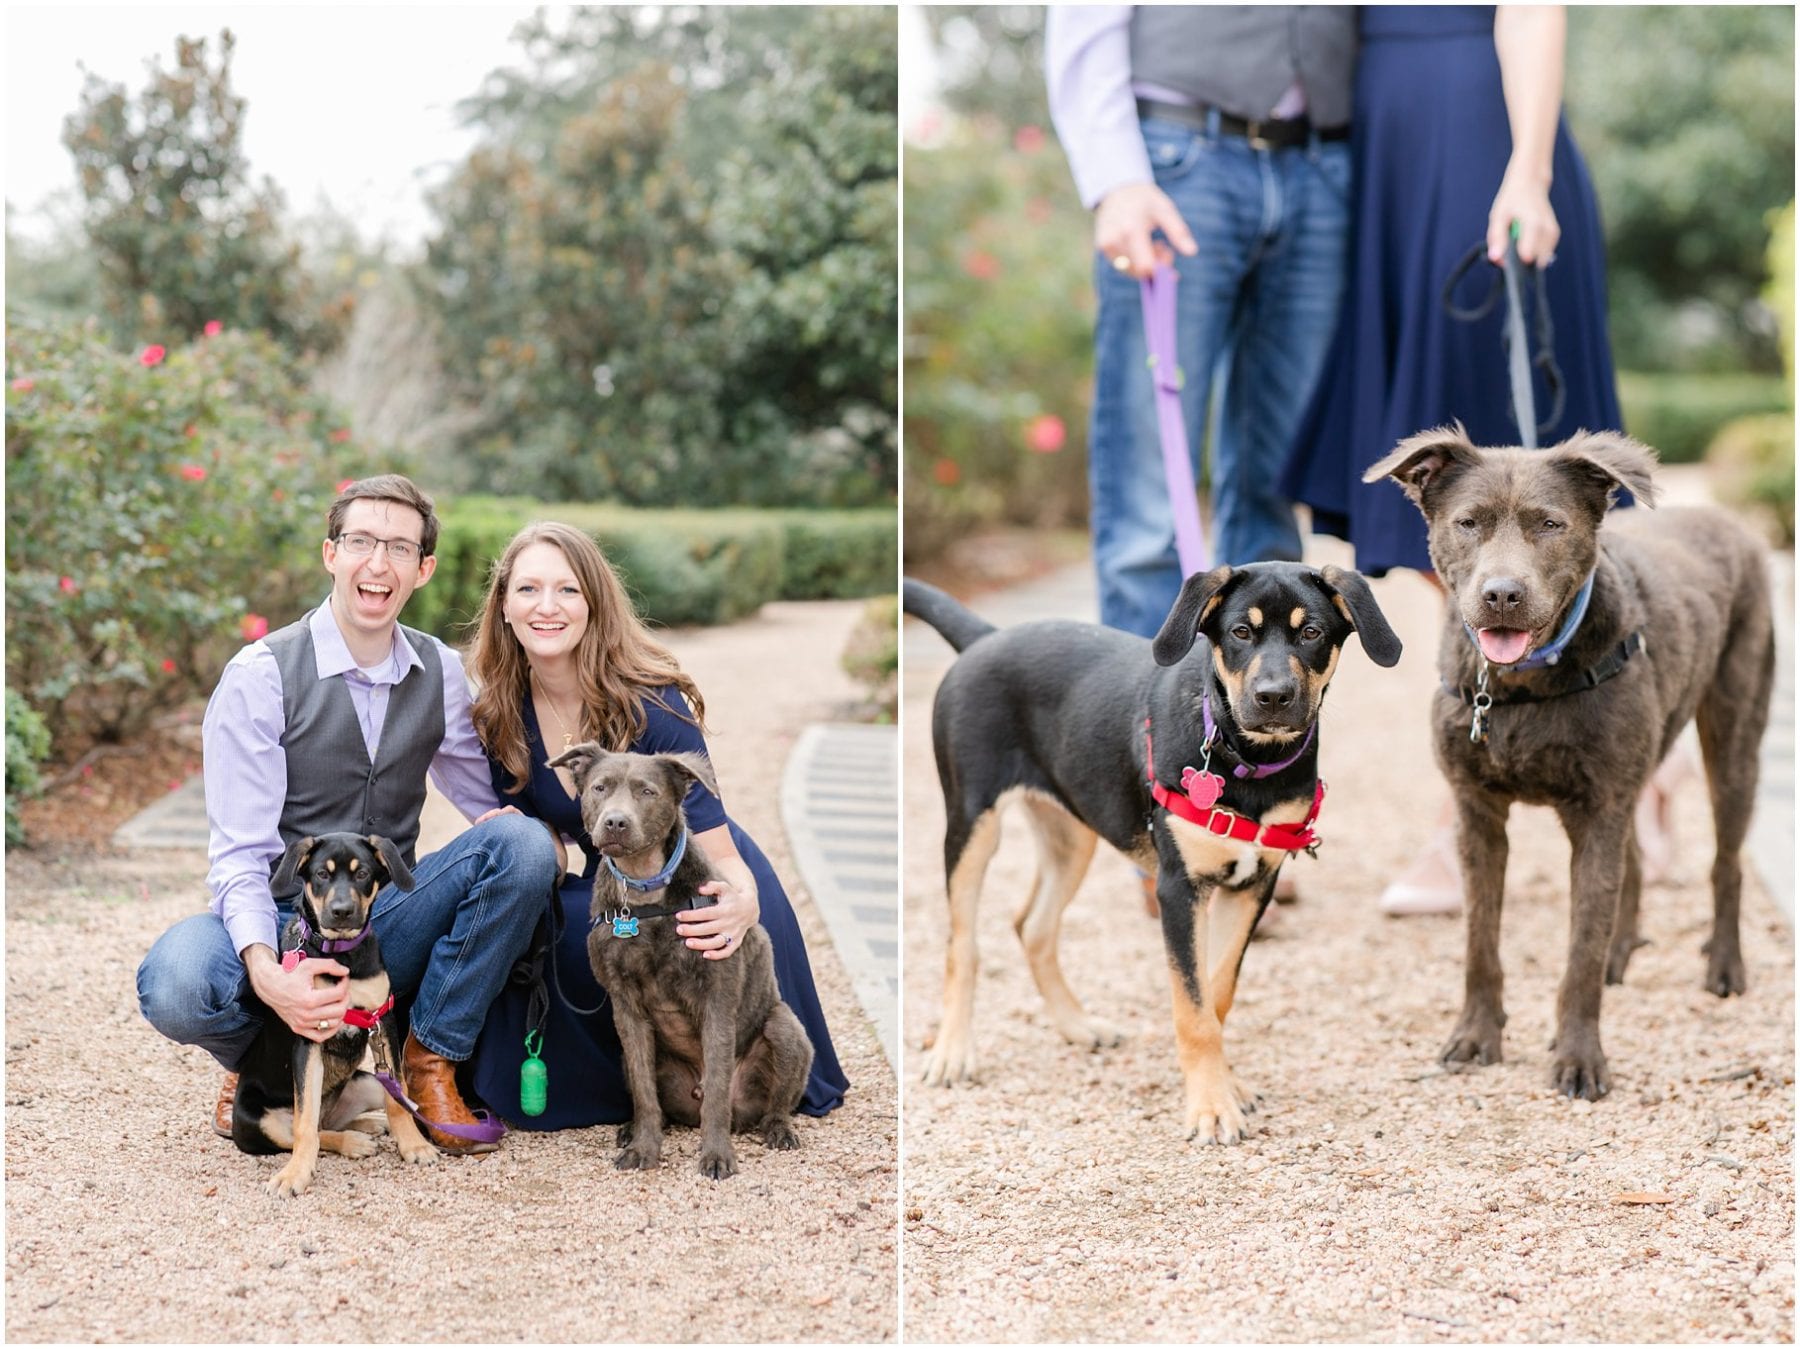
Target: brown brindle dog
1677,628
706,1042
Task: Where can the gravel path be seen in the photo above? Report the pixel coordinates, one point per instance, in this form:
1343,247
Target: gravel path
127,1219
1380,1199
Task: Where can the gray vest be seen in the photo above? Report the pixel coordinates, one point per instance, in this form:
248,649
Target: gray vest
331,785
1242,58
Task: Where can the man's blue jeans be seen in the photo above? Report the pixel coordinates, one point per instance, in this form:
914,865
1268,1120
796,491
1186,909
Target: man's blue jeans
1255,313
448,945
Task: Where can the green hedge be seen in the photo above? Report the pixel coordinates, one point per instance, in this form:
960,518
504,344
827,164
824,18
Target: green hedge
681,567
1678,415
27,746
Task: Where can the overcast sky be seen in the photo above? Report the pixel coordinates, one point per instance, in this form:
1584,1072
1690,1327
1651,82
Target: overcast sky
351,104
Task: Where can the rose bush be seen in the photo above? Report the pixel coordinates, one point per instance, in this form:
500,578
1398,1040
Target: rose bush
153,508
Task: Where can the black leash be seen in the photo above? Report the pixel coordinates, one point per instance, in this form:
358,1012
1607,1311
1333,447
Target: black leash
1519,360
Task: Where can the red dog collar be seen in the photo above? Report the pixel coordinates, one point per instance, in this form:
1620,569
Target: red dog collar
1227,823
356,1016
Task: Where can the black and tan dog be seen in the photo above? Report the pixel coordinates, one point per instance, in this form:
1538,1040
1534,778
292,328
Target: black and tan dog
298,1095
1572,658
706,1042
1067,718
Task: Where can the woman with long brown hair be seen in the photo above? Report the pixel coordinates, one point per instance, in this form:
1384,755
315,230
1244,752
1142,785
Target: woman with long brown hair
561,657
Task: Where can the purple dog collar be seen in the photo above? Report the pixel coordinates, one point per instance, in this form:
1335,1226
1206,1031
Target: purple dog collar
333,946
1250,770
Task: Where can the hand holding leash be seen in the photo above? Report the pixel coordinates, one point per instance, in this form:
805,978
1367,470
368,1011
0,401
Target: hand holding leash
1124,222
315,1013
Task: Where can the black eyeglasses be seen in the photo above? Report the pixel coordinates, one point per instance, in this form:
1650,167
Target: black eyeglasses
363,545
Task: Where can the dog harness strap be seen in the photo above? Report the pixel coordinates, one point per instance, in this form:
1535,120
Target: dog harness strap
1228,823
369,1019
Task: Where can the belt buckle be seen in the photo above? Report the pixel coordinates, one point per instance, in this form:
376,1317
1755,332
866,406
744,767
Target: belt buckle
1253,134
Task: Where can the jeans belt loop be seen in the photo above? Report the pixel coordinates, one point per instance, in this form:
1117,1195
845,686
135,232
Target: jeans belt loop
1212,124
1253,134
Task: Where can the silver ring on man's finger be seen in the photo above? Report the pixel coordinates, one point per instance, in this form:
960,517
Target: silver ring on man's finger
1121,263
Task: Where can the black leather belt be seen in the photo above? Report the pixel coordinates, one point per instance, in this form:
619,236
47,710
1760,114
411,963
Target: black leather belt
1283,134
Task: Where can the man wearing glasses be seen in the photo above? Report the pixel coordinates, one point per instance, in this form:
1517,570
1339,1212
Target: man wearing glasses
332,724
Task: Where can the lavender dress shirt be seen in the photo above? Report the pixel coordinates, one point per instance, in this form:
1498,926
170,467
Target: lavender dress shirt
246,767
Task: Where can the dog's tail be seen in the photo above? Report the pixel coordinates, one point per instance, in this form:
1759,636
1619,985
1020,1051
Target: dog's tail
955,624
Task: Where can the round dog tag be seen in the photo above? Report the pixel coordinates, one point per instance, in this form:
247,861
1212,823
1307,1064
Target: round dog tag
1203,789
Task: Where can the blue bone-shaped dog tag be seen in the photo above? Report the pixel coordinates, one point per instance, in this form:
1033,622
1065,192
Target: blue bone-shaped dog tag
625,926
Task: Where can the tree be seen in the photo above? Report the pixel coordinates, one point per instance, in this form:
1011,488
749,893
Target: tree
668,273
180,233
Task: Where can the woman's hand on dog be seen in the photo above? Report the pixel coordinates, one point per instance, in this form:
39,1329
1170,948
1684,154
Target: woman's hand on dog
292,996
718,930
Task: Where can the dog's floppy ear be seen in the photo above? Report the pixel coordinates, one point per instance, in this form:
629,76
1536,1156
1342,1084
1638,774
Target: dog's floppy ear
1419,461
1194,606
689,767
1353,598
292,860
398,872
1608,460
580,759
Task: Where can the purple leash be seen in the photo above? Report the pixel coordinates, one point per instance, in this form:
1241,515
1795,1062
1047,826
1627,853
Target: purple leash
1166,376
486,1129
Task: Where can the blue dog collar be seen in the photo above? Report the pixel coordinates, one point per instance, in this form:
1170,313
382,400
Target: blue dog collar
1549,655
661,878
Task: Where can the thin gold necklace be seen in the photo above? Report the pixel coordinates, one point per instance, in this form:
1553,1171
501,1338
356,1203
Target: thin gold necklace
561,725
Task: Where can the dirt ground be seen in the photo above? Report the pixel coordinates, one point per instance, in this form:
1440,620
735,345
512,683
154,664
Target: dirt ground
127,1219
1380,1198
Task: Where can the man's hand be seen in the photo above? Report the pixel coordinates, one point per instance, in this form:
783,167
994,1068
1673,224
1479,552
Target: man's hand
718,930
1124,221
290,994
562,852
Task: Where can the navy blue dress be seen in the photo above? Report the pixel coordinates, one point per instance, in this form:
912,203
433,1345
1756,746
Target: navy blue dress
581,1052
1429,145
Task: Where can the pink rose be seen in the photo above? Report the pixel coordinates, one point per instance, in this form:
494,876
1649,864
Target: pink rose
193,473
1046,434
152,355
254,627
213,328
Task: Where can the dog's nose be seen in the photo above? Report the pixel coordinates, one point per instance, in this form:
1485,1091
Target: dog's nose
1502,593
615,822
1273,693
340,912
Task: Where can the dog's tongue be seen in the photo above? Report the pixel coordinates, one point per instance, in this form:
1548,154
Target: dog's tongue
1503,646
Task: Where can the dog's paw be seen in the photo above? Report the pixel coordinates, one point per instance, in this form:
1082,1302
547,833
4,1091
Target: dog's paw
1580,1070
779,1134
1247,1100
639,1157
293,1179
1090,1032
1724,973
623,1137
356,1145
951,1062
417,1152
718,1163
1219,1121
1476,1040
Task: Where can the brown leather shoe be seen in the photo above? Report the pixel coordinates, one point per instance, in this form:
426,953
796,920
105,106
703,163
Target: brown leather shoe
431,1082
221,1120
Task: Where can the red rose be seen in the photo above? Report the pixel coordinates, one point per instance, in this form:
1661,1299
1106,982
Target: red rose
152,356
1046,434
168,667
253,626
213,328
67,585
193,472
